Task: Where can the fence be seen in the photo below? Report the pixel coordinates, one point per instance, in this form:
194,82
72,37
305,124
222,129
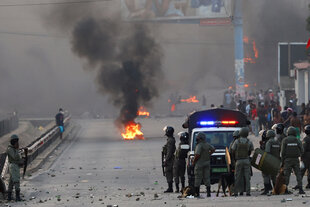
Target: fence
9,124
36,147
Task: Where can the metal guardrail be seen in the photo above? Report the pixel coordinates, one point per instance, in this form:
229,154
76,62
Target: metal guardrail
36,147
9,124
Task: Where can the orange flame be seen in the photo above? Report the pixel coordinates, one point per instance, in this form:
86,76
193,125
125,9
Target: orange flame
143,112
191,99
132,131
173,107
246,39
246,85
255,49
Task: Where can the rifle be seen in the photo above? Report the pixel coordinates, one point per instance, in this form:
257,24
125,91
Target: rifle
163,161
25,161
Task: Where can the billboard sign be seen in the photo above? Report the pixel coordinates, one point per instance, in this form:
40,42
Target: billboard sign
175,10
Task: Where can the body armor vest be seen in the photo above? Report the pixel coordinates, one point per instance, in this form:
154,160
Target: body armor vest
275,148
292,150
307,141
242,150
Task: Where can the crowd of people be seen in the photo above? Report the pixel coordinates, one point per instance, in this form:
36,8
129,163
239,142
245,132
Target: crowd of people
264,111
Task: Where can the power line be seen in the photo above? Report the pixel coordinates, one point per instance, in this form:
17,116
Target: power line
53,3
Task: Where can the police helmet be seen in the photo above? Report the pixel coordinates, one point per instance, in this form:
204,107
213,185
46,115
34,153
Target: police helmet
280,128
270,134
168,131
14,137
291,131
244,132
307,129
200,136
236,134
183,136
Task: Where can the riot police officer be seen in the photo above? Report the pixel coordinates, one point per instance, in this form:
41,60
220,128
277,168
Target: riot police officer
180,161
273,148
203,151
291,150
266,178
242,149
306,155
280,132
168,159
15,162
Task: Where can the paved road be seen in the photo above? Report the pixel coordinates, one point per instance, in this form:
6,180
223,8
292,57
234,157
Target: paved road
97,168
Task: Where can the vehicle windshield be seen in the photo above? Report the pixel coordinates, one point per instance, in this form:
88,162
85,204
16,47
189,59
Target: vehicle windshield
219,139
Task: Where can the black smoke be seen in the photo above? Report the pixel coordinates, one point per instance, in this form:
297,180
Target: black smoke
126,59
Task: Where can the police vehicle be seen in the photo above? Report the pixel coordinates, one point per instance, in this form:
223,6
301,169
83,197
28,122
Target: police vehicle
218,125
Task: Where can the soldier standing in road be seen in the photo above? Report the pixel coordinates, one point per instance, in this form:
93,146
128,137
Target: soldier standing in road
60,121
273,148
242,149
291,150
168,152
180,161
15,162
203,151
306,155
266,178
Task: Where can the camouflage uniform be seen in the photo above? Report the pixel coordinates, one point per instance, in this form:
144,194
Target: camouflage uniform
15,161
291,150
242,149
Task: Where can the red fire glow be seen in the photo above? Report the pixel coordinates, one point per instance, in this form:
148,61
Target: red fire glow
143,112
191,99
132,131
173,107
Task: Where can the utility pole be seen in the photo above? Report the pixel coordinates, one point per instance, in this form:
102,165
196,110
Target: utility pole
239,62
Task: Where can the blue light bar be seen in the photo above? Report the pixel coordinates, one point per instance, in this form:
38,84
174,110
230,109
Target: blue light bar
206,123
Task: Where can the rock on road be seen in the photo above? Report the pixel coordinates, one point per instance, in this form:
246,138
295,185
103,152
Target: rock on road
98,168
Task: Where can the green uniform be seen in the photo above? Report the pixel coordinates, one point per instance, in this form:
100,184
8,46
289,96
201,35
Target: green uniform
242,149
273,147
15,161
291,150
306,157
169,150
202,166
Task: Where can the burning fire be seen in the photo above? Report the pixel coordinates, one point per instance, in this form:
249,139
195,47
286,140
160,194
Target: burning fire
173,107
143,112
132,131
191,99
247,58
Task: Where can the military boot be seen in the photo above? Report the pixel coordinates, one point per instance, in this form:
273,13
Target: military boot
9,196
266,191
183,186
296,187
170,189
18,196
301,191
208,191
177,188
197,192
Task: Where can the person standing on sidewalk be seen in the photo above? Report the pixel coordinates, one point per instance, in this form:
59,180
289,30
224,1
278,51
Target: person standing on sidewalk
60,121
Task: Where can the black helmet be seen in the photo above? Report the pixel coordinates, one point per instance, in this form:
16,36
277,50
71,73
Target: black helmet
236,134
270,134
244,132
200,136
291,131
169,131
279,128
183,136
14,139
307,129
263,135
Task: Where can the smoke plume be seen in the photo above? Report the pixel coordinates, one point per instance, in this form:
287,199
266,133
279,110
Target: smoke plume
125,58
